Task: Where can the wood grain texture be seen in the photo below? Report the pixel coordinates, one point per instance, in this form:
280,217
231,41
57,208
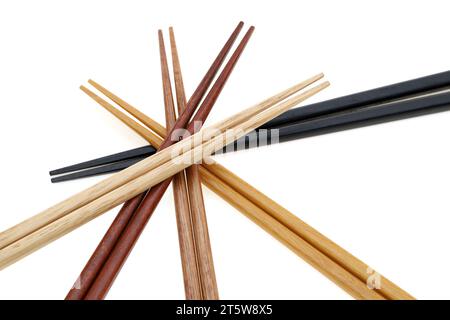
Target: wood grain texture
302,229
95,263
192,290
135,227
32,224
215,176
198,213
307,252
140,177
189,262
149,122
324,264
133,230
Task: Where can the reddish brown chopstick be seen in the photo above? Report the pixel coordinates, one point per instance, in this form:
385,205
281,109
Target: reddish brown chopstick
197,207
128,238
90,271
100,255
189,261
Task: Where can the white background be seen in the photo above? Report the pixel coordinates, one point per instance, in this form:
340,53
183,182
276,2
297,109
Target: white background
380,192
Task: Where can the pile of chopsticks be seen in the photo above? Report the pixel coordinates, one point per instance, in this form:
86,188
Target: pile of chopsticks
398,101
183,158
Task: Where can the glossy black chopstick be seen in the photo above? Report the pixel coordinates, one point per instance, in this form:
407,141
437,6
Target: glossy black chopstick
96,171
356,118
364,98
124,155
349,120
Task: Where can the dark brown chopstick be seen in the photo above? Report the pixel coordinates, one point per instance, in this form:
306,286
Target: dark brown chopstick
126,241
130,235
135,227
100,256
128,238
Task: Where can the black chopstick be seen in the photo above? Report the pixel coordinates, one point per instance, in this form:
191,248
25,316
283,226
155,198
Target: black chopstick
107,168
374,96
397,110
132,153
356,118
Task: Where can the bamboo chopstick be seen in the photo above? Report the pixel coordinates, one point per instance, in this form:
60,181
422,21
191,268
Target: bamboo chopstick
188,251
130,235
250,202
134,180
323,263
153,138
198,214
91,270
34,223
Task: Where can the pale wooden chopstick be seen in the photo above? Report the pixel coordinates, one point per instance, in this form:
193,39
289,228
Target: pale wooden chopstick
323,263
63,208
198,214
128,238
188,253
251,202
146,173
87,283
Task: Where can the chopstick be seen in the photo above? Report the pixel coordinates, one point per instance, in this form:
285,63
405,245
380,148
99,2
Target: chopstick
125,155
110,168
126,241
378,95
262,209
90,271
358,118
188,250
198,213
143,175
130,235
334,122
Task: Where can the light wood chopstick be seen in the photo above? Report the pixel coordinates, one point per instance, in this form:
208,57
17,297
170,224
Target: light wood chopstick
323,263
211,174
84,197
146,173
87,283
128,238
188,252
198,214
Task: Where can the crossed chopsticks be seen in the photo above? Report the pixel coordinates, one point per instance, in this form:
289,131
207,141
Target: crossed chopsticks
153,172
